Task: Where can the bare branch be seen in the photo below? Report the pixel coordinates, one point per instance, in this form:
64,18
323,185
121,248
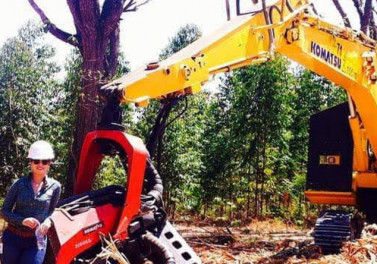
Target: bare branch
129,5
345,18
132,6
62,35
75,11
373,28
39,11
365,21
130,10
143,3
55,31
358,7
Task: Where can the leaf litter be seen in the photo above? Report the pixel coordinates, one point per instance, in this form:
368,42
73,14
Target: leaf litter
270,241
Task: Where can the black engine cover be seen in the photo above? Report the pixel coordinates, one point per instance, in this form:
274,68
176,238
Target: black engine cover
330,151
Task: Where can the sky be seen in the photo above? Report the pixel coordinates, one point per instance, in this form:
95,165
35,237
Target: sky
143,33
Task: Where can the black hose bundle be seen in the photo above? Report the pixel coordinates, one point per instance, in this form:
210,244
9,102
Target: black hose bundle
153,182
169,258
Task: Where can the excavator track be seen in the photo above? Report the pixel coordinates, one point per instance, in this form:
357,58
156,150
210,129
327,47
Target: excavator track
332,229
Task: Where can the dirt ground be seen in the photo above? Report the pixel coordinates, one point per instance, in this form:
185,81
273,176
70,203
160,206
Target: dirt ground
265,242
259,242
269,241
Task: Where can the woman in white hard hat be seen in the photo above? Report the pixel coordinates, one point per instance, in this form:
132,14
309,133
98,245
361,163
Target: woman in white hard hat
27,207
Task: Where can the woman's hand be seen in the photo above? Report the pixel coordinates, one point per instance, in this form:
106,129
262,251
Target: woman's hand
30,222
45,226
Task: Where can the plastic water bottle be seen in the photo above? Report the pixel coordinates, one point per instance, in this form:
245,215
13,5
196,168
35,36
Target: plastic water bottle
41,239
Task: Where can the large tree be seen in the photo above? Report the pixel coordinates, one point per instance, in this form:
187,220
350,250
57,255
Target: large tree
97,39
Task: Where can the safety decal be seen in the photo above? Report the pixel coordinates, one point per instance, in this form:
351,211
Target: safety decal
329,160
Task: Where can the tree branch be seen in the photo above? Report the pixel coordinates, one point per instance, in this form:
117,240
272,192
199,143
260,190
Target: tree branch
129,5
55,31
111,13
365,21
345,18
132,6
75,11
358,7
39,11
373,28
62,35
374,10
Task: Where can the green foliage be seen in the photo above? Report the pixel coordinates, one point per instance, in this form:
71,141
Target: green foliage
34,105
185,36
111,172
180,156
250,119
29,100
243,150
233,154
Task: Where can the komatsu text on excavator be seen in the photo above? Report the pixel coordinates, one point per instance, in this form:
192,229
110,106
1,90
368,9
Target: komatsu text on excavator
342,165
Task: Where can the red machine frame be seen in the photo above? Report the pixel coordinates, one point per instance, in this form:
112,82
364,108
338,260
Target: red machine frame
91,158
101,218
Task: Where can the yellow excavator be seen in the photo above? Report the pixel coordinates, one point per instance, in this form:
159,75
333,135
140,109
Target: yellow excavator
342,165
343,139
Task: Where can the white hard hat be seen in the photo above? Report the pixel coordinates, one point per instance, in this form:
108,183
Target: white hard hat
41,150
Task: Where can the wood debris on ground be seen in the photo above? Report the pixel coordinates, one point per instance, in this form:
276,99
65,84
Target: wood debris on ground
363,250
265,242
257,242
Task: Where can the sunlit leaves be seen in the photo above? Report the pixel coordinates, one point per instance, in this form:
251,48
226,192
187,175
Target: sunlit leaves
28,99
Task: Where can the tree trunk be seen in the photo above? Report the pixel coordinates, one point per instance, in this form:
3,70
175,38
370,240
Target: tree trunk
256,196
262,177
230,215
97,37
248,193
89,107
205,207
267,203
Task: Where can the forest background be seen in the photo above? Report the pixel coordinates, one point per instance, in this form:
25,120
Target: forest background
237,152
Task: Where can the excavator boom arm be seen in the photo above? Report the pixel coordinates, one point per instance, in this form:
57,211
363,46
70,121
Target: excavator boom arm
342,55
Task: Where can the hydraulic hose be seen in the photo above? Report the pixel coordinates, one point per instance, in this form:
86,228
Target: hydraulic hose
168,256
153,185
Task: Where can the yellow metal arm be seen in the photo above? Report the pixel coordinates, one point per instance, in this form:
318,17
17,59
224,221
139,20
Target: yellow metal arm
243,41
341,55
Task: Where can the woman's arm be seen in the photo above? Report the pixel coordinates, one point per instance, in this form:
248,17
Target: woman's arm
10,200
54,201
55,198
